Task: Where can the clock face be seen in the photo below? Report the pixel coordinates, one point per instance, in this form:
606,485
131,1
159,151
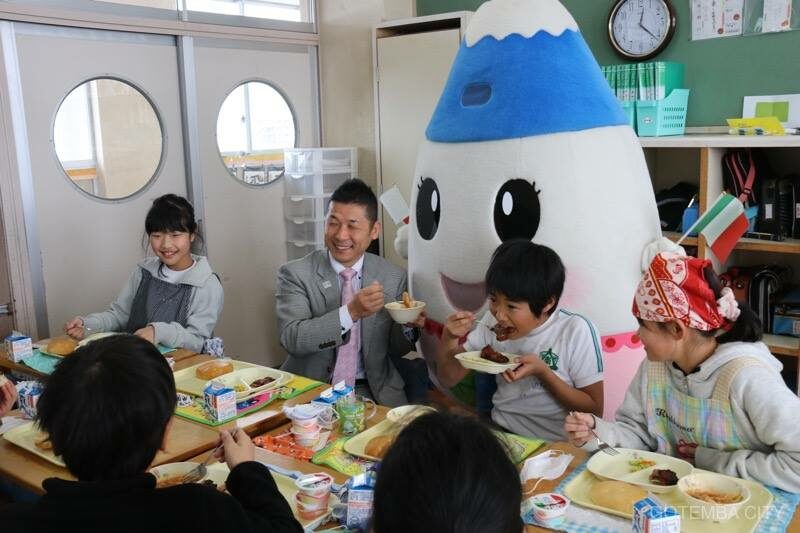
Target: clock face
641,28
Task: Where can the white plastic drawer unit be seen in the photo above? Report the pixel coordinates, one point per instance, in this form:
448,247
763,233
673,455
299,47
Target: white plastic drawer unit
320,160
306,207
305,230
314,184
297,250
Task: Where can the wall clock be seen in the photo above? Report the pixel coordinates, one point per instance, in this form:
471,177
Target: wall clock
640,29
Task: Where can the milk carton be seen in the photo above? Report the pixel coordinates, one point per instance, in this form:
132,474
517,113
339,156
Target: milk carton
18,347
360,492
219,402
652,516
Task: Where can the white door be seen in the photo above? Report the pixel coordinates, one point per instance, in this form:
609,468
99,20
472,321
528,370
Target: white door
245,226
89,245
412,71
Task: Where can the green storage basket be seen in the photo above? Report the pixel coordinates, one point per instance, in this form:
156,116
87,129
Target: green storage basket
657,118
629,108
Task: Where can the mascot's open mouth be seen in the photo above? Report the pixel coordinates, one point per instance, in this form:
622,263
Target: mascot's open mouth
464,296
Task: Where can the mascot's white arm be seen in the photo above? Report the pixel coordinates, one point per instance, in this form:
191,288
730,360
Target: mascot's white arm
401,241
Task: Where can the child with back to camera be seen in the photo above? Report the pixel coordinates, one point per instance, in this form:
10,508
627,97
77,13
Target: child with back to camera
108,410
447,474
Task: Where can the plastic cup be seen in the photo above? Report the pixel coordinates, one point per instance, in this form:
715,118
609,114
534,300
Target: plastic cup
306,440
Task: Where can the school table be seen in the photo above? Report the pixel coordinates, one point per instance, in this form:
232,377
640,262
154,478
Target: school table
22,467
183,358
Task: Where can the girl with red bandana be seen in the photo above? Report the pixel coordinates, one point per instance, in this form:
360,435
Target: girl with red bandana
709,392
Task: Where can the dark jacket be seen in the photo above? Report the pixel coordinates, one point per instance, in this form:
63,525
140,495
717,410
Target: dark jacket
135,505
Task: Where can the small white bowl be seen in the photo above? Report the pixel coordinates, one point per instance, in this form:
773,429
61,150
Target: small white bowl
405,315
708,481
172,471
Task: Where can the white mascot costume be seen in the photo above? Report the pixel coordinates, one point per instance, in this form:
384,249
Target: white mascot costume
528,141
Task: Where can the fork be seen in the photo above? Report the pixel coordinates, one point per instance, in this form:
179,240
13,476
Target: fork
604,446
199,472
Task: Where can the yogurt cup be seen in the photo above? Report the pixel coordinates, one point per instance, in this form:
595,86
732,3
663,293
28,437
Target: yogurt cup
306,439
316,485
308,511
548,508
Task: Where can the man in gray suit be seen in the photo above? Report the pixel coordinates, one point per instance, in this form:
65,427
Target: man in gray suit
330,305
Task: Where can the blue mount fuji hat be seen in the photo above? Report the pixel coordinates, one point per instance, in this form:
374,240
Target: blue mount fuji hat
523,69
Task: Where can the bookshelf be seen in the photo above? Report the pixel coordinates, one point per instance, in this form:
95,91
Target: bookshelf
697,159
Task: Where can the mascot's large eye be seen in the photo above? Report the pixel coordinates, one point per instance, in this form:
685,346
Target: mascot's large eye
516,210
429,208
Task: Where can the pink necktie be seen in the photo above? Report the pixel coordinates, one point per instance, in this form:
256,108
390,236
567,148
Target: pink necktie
347,354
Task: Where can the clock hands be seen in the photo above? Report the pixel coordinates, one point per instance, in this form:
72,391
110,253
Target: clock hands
641,25
648,31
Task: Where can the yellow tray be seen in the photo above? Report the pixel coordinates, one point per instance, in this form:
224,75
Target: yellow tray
25,437
219,472
618,467
186,381
357,444
745,521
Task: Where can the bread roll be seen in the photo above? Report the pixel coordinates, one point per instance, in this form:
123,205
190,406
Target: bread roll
378,446
212,369
62,346
42,441
616,495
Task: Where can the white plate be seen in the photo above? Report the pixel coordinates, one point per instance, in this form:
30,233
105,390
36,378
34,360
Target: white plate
213,471
245,376
358,444
617,467
407,413
25,437
96,336
474,361
186,380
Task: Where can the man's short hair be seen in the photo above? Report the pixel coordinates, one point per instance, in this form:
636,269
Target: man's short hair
106,407
355,191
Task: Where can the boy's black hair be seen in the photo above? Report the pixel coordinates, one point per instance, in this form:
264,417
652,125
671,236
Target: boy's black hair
106,407
170,213
355,191
449,474
524,271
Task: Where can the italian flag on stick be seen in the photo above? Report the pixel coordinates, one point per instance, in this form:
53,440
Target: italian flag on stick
721,225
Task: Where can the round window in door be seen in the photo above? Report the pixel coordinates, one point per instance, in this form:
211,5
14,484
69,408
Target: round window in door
254,125
108,138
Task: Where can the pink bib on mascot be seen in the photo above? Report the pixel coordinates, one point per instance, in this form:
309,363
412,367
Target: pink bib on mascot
528,141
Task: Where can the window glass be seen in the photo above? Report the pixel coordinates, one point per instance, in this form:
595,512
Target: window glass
254,125
292,10
108,138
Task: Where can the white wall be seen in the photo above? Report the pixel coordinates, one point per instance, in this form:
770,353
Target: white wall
348,113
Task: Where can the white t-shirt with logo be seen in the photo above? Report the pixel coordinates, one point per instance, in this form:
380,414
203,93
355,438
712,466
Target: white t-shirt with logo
569,344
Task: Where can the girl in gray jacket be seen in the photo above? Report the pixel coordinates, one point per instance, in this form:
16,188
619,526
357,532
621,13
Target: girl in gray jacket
174,298
709,391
